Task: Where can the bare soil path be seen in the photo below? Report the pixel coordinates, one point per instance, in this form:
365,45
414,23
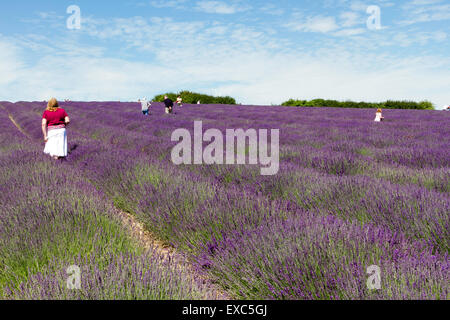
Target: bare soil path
150,242
18,127
15,123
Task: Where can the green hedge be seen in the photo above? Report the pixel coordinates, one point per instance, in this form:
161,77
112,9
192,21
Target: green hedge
390,104
192,98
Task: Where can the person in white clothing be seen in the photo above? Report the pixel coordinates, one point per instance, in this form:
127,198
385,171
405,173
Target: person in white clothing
144,104
179,101
54,123
379,116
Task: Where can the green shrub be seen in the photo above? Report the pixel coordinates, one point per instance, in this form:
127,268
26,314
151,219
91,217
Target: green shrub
426,105
390,104
193,98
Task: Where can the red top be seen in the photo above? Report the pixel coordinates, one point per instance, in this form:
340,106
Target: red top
56,118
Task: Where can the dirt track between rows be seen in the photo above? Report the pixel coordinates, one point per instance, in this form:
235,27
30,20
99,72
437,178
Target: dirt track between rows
150,242
15,123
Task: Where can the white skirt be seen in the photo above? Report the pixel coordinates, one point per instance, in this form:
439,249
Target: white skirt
378,117
56,145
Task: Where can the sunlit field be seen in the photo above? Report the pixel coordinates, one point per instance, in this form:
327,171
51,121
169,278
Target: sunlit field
349,194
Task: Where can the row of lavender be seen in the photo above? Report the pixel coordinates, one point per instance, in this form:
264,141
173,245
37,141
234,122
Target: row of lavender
410,208
407,149
270,237
51,218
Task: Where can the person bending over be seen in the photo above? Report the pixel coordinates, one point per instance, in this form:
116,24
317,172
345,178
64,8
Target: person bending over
379,116
169,104
145,105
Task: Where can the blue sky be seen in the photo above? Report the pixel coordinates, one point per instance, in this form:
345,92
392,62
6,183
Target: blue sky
260,52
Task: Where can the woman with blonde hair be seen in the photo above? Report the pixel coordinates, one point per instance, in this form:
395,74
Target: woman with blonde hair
379,116
54,122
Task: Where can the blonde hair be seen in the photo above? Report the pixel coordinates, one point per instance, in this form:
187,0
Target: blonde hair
52,105
379,110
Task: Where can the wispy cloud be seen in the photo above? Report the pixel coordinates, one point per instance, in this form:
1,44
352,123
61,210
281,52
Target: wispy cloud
419,11
272,9
351,19
314,24
220,7
10,62
169,3
350,32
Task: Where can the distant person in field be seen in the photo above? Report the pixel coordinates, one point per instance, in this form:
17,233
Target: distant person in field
169,104
145,105
54,122
179,101
379,116
198,102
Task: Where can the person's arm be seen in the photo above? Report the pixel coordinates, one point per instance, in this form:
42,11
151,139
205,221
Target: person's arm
67,120
44,129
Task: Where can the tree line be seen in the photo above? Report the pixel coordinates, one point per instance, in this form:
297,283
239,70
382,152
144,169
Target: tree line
193,98
390,104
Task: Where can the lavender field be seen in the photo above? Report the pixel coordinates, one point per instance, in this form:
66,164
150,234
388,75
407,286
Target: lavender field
350,193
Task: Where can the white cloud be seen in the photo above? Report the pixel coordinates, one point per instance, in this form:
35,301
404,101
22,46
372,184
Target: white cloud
423,38
168,3
50,15
423,2
359,6
425,11
220,7
308,79
349,32
314,24
10,63
272,10
350,19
